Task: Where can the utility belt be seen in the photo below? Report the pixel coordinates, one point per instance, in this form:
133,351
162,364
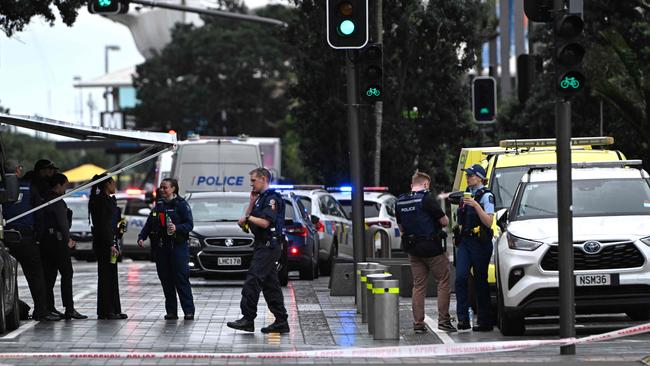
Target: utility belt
23,229
269,242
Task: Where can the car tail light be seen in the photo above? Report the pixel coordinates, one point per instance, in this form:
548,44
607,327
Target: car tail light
297,230
294,251
385,224
320,227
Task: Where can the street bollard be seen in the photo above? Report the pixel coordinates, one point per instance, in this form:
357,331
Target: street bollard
385,295
357,293
371,278
364,295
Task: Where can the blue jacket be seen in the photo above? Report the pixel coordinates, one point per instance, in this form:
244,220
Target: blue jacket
24,204
178,210
269,206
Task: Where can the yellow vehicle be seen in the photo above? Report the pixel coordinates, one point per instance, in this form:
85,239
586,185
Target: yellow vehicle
506,164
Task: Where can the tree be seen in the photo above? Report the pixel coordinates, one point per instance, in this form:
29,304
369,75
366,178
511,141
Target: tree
16,14
428,49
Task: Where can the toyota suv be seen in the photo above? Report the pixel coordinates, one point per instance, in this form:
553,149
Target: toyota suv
611,244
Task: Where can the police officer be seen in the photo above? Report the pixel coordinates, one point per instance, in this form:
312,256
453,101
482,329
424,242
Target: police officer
421,220
265,216
475,249
55,248
171,222
26,252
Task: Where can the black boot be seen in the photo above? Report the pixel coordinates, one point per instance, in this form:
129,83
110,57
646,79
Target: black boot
277,327
244,324
73,314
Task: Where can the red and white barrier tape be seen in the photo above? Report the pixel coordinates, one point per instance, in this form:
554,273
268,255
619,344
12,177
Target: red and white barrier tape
376,352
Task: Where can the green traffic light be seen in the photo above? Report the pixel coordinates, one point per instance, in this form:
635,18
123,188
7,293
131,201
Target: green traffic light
484,111
105,3
569,82
346,27
373,92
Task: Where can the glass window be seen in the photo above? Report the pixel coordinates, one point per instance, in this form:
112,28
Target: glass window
371,209
218,208
306,202
133,206
289,214
390,207
79,209
504,184
591,197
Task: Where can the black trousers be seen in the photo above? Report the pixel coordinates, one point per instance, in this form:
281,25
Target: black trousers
262,276
27,254
108,292
55,256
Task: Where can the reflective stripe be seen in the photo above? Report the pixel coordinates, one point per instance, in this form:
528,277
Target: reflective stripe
369,286
401,203
364,279
391,290
358,271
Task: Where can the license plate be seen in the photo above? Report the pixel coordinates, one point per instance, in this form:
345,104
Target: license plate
83,246
593,280
229,261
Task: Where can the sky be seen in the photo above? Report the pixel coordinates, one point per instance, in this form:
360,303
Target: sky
39,64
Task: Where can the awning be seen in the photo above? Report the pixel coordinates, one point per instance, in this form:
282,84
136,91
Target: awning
83,173
115,79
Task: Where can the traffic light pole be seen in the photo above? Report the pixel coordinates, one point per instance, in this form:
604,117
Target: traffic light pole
358,242
564,215
379,105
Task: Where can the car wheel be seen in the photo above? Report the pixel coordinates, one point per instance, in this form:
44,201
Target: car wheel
13,318
326,267
510,325
3,322
307,271
639,314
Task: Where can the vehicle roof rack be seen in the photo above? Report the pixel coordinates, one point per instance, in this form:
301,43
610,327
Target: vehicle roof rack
575,141
589,164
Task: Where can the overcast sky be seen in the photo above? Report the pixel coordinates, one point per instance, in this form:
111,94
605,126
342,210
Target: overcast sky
38,65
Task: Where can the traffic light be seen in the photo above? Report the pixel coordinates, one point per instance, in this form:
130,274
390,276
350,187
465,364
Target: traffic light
370,73
108,6
484,99
569,53
539,10
347,23
528,67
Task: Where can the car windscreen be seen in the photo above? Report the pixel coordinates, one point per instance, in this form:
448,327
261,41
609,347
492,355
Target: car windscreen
218,208
591,197
370,209
79,209
504,183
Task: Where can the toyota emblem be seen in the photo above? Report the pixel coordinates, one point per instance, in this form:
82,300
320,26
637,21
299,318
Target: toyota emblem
591,247
230,242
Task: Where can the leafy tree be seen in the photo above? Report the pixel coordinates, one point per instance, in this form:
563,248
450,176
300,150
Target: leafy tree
16,14
428,49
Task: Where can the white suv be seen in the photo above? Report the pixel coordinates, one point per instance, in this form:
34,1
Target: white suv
611,245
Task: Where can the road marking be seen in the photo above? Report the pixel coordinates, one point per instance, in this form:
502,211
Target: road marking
444,337
22,328
83,294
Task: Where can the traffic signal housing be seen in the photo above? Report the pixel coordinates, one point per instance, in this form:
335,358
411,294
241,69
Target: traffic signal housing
528,67
371,73
108,6
539,10
569,53
484,99
347,23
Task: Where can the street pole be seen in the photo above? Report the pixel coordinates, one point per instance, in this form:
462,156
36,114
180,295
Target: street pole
379,105
564,216
358,240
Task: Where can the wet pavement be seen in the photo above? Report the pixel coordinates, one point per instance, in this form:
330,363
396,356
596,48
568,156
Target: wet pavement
318,322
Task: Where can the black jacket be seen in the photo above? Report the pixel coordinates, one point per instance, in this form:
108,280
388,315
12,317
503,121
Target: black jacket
104,215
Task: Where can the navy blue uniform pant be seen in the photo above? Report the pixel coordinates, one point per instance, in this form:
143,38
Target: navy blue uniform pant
472,254
172,264
55,256
27,254
263,276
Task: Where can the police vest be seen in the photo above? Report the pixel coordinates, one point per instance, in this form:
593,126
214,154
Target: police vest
23,204
472,224
277,230
159,227
420,227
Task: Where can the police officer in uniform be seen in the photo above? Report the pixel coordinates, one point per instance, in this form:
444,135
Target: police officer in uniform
265,216
171,222
421,220
26,251
474,251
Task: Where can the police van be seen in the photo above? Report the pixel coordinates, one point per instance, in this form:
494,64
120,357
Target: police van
210,165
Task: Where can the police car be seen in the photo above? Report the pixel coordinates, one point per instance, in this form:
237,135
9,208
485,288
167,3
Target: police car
80,230
611,244
9,308
379,211
330,220
135,209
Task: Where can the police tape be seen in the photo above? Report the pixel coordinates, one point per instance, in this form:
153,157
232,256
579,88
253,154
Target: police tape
373,352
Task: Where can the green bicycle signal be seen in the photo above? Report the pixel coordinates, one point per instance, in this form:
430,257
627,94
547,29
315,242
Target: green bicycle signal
373,92
569,82
104,3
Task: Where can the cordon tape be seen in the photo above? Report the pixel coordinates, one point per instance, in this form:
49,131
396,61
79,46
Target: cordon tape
375,352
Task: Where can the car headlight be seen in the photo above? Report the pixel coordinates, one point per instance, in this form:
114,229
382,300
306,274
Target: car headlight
518,243
195,242
646,240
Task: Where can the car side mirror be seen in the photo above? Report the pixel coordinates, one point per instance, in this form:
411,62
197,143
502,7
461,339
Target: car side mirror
454,198
314,219
144,211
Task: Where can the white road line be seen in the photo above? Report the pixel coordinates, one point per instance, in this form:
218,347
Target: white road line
83,294
444,337
23,327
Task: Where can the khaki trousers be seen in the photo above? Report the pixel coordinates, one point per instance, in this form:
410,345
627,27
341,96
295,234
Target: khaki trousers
439,266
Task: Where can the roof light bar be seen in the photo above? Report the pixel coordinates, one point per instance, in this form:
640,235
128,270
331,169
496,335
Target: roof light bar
576,141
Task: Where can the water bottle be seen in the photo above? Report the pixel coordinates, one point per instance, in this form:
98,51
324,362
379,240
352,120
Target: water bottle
113,257
168,222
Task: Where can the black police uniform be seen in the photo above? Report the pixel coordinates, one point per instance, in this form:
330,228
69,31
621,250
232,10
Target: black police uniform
172,252
262,274
26,252
105,215
418,214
